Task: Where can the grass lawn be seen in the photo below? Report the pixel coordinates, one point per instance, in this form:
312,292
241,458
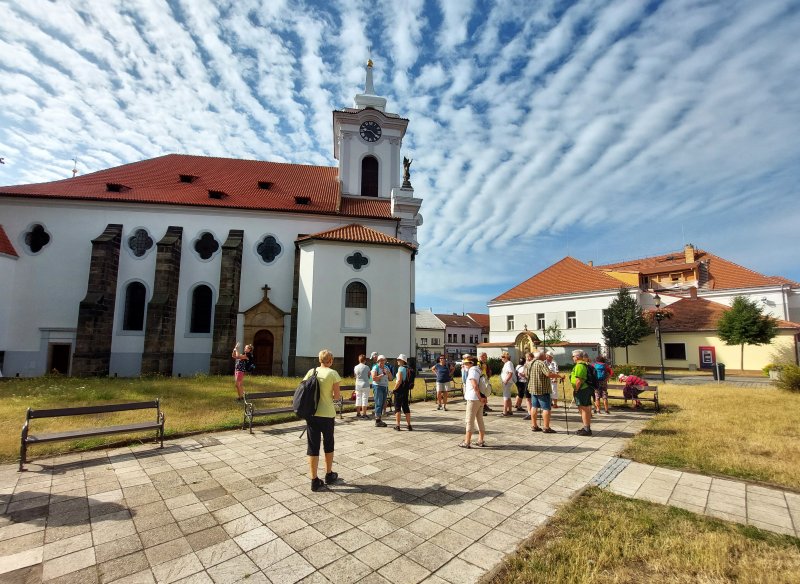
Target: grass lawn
190,404
749,433
601,537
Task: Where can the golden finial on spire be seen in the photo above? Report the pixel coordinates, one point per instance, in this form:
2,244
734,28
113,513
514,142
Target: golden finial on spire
369,60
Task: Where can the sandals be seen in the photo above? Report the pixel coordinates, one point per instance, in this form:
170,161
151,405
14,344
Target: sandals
481,444
464,445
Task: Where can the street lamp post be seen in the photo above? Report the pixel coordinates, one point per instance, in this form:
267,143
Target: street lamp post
659,316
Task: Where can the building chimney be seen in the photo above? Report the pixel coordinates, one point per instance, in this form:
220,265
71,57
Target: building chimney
688,251
590,262
693,292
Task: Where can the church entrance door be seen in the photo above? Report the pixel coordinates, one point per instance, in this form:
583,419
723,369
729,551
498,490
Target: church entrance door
353,347
263,345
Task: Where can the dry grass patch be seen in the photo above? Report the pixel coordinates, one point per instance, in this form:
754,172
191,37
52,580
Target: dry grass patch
749,433
601,537
190,404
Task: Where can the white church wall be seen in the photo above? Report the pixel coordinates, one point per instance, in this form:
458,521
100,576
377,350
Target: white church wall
47,287
387,279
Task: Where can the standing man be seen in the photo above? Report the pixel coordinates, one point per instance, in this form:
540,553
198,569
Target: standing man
582,390
381,376
553,367
362,374
539,378
444,378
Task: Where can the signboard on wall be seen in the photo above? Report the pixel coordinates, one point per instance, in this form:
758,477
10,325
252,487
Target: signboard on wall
707,357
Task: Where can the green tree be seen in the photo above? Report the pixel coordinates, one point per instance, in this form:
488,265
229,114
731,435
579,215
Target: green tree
745,324
624,322
553,334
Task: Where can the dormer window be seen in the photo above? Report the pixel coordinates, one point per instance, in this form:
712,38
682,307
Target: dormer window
187,178
216,195
264,185
116,188
302,200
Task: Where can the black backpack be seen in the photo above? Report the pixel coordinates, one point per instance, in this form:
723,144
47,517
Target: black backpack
408,380
591,376
306,397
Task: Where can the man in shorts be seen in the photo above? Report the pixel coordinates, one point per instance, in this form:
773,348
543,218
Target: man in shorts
539,377
444,379
582,391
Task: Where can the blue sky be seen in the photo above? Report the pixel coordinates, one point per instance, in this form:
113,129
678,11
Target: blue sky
605,130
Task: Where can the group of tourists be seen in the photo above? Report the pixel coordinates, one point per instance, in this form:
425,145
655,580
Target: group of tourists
536,378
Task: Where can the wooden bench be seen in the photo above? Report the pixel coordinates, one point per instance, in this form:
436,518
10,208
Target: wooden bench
456,388
618,388
253,407
28,439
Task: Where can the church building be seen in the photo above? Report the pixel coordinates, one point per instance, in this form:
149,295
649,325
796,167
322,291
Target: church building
161,266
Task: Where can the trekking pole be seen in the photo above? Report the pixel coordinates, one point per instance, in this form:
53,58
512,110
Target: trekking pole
566,419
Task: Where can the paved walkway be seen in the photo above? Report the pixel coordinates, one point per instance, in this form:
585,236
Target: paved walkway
766,508
230,507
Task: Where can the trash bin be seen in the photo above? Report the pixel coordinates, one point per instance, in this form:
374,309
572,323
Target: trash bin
718,370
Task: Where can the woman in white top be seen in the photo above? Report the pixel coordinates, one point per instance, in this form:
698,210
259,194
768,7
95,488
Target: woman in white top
472,395
508,379
553,367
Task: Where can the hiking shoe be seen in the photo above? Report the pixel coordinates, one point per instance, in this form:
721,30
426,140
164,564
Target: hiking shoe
520,409
536,429
397,428
380,423
484,413
487,409
439,407
549,431
410,428
444,408
317,484
528,417
584,432
331,477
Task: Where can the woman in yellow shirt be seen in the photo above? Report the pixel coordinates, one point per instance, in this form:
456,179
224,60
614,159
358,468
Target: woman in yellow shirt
320,425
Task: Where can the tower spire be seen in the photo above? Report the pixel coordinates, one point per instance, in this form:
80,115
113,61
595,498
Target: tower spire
369,98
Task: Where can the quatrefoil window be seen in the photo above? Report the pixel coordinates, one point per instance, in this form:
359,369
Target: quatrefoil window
140,242
206,246
269,249
357,260
37,238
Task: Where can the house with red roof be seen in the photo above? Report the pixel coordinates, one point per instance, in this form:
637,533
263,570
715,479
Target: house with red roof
574,295
161,266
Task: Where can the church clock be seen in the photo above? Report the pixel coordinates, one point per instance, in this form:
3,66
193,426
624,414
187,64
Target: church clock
370,131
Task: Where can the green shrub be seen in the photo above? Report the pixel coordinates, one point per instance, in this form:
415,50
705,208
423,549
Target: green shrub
495,365
790,378
629,369
769,367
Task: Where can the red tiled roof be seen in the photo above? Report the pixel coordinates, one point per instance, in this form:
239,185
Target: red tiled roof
567,276
157,181
699,314
5,244
356,234
722,274
461,320
481,319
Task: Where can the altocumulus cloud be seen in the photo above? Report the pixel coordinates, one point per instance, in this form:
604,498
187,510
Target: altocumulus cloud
599,129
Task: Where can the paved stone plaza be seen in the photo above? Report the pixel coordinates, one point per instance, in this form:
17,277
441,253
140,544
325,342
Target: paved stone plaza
229,507
411,506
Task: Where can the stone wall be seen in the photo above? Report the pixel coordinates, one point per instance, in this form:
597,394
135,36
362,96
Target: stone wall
227,307
95,329
159,342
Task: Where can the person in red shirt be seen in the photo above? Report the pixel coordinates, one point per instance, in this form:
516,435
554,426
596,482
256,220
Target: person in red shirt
633,387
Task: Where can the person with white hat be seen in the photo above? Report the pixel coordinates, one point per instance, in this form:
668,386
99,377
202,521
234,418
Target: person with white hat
401,391
381,376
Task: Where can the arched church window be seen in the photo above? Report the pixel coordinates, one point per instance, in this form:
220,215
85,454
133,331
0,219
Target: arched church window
201,309
135,297
140,242
37,238
269,249
369,177
206,246
355,295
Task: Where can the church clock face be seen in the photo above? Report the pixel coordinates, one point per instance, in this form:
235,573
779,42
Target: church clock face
370,131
